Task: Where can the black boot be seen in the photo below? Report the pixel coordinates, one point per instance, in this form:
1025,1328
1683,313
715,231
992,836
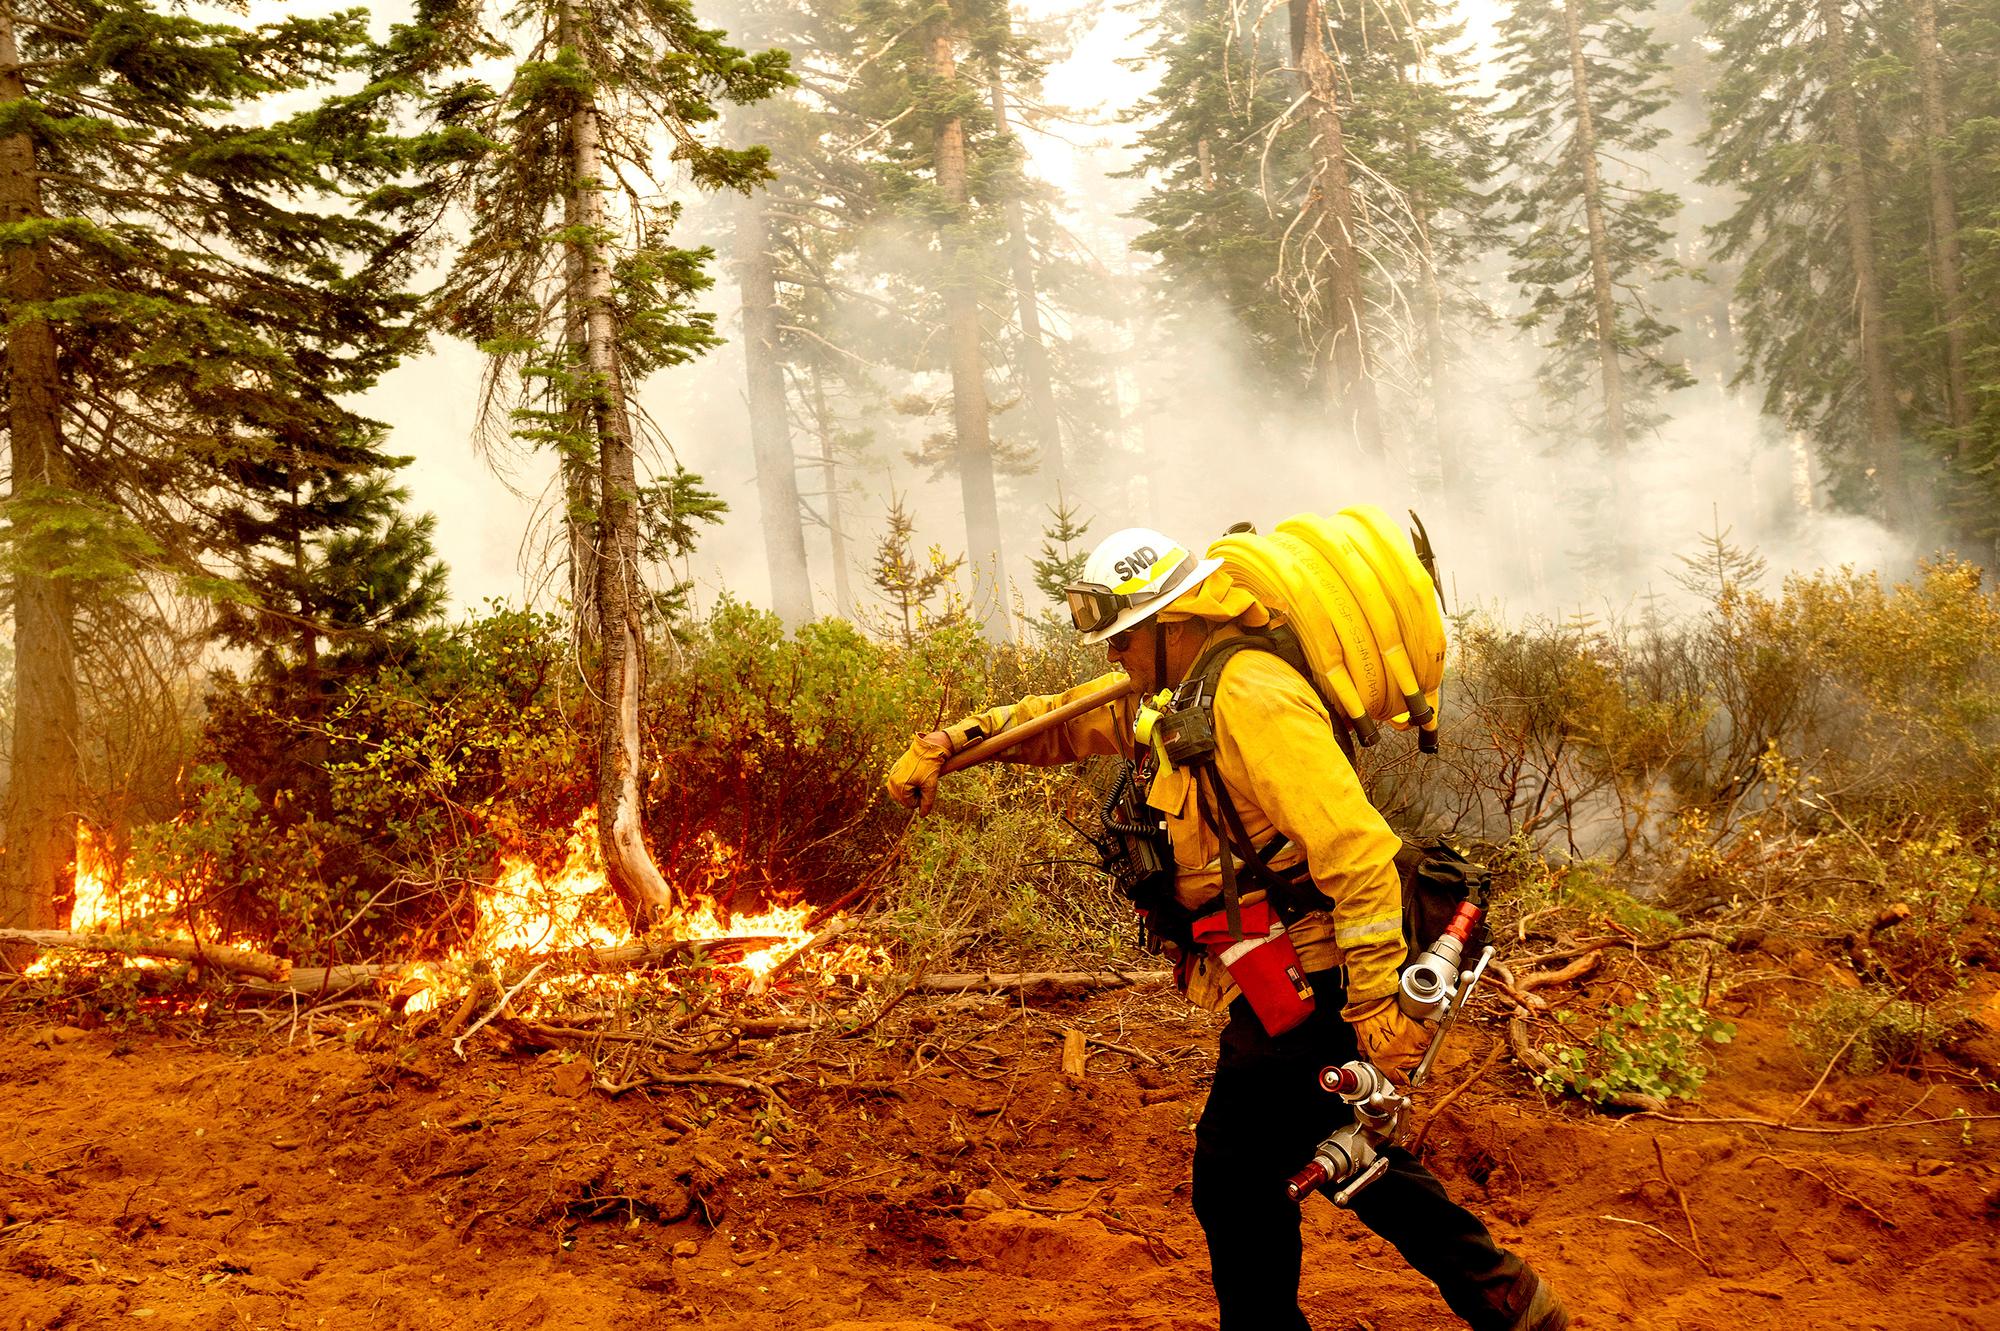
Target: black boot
1544,1312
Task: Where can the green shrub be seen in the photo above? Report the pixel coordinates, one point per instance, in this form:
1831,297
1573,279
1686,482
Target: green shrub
1651,1046
991,886
225,868
1878,1030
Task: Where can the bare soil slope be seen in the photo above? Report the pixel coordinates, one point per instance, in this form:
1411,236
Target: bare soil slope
939,1173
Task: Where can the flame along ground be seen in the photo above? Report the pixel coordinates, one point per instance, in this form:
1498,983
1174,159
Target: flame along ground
524,913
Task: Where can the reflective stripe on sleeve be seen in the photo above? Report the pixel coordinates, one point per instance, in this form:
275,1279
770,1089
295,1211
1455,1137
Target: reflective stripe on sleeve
1367,931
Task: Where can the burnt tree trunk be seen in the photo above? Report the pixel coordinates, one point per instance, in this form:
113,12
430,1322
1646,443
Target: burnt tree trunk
1603,295
1944,227
1027,301
1343,353
1872,325
770,430
969,409
38,865
621,637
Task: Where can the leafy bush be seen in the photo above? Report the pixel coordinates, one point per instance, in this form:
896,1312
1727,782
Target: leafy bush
1651,1046
1877,1030
225,867
1599,738
360,831
461,747
993,883
775,745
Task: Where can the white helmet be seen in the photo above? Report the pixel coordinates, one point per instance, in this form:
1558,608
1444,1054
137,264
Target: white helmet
1131,576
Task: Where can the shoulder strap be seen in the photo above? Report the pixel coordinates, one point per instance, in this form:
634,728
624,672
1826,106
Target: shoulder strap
1282,642
1217,810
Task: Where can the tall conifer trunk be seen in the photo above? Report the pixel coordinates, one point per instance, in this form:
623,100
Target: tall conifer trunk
843,590
1027,300
1344,359
1443,441
38,864
969,409
1884,424
770,431
1944,226
1603,296
621,645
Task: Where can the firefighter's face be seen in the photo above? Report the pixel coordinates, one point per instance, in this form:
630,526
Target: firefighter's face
1133,651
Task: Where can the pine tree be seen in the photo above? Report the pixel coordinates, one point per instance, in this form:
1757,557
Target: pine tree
1698,300
1062,555
1932,84
1330,279
333,573
792,238
1960,164
1245,207
1003,60
570,279
1790,129
770,416
669,510
950,181
766,222
1215,237
910,583
1935,135
332,566
946,102
187,289
1586,81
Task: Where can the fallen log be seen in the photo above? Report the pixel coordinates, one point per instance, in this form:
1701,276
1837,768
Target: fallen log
325,980
974,981
645,951
231,960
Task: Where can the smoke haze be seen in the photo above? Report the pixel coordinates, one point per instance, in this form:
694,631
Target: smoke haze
1196,448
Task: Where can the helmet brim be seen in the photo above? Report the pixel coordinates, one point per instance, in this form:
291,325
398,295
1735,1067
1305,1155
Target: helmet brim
1134,615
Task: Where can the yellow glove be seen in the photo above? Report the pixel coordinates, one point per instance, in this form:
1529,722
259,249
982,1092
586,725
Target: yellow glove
913,780
1388,1039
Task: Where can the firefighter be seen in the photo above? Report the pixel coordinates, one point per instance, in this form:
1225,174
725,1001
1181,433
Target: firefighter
1161,612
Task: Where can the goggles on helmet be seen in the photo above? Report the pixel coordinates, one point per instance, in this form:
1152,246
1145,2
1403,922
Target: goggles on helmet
1092,605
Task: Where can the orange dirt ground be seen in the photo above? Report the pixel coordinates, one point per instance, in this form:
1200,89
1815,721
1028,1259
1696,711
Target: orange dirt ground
250,1183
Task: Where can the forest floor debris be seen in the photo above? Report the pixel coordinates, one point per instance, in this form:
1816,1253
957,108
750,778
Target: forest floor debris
937,1170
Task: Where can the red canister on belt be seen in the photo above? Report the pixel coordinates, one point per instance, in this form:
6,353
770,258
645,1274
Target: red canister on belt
1263,963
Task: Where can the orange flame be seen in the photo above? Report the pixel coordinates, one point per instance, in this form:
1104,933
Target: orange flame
523,913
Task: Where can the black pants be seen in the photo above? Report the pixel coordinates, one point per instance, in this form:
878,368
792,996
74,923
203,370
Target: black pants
1265,1114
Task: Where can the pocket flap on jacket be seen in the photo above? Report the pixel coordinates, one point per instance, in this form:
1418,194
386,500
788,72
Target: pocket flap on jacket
1169,792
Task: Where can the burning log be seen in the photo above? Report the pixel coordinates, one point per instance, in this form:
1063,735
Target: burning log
232,960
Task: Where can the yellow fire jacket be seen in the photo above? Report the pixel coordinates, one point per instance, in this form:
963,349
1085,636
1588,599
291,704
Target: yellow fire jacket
1278,759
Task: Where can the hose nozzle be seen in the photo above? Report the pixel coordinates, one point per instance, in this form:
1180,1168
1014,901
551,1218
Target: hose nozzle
1343,1155
1431,981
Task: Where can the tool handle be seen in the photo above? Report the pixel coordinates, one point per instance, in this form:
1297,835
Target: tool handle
995,745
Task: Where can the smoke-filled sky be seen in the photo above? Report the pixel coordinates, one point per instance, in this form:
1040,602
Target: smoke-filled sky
1209,452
